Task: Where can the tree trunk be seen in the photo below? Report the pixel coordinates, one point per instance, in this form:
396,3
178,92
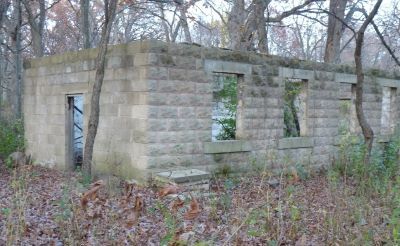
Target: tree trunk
236,21
3,9
16,44
367,131
84,22
164,23
109,9
335,30
261,24
36,28
183,20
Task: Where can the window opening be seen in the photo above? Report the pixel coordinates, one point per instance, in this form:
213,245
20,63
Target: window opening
347,109
388,110
224,106
75,125
345,106
295,108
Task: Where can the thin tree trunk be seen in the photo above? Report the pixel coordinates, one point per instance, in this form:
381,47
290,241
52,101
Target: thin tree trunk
164,23
3,9
335,30
84,22
16,44
37,28
366,128
109,9
183,20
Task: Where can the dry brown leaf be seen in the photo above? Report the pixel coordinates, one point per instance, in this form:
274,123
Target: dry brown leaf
168,190
133,214
178,232
126,199
295,176
178,203
132,217
91,194
194,209
129,189
139,203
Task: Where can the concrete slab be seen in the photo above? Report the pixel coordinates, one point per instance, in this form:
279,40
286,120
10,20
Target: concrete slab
184,176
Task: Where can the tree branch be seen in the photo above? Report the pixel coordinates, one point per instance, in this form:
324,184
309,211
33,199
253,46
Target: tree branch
290,12
391,52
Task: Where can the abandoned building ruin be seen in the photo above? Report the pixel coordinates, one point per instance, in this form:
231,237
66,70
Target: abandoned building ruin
167,106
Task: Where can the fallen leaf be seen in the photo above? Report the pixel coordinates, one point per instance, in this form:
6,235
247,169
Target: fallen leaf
178,232
168,190
133,214
128,189
194,209
132,217
295,176
178,203
139,203
91,194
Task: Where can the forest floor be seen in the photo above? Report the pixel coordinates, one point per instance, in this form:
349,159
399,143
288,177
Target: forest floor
40,206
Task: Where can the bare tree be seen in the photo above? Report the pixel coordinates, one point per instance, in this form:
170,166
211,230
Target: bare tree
36,26
180,11
84,23
366,128
183,7
3,62
335,30
247,25
15,34
3,9
236,23
259,12
109,15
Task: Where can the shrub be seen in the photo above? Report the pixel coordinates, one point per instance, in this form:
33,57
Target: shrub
11,137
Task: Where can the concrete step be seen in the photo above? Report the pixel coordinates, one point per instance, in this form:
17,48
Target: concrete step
193,179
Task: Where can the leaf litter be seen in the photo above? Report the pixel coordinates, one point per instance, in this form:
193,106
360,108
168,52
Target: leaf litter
53,209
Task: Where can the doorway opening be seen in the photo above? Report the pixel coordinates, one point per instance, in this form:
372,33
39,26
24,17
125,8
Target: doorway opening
74,128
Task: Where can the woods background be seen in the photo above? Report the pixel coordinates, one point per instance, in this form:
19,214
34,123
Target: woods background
316,30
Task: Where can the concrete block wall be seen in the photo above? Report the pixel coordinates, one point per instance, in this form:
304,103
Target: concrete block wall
156,107
262,116
121,136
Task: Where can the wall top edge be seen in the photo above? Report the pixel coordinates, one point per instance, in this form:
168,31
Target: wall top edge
200,52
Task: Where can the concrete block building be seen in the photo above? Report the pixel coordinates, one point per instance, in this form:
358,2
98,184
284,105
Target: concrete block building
161,104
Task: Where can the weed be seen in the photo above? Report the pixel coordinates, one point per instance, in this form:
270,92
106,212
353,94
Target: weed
171,224
9,163
224,170
64,205
15,223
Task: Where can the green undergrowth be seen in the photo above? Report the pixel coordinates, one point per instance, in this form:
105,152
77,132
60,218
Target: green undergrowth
11,137
377,180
